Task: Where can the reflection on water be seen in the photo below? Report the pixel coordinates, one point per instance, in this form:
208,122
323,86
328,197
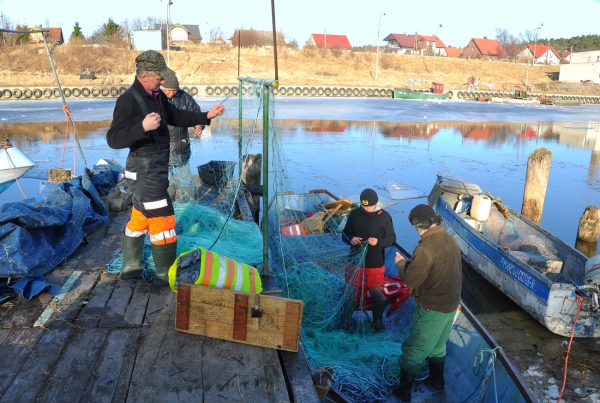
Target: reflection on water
347,156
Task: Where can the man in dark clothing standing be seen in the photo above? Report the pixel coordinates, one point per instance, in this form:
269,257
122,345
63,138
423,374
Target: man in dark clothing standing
180,175
140,120
435,279
374,228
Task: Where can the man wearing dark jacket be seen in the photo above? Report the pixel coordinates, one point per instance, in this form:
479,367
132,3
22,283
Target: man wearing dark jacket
180,176
376,230
140,120
435,279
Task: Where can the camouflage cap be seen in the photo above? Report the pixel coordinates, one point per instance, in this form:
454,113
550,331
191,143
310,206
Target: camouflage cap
153,61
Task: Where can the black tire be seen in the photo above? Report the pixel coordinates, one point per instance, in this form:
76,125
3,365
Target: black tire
275,91
37,93
209,90
313,91
218,90
305,91
186,89
67,92
328,92
449,94
236,90
95,92
76,92
282,90
17,93
369,92
7,94
356,92
362,92
320,91
298,91
114,91
244,91
226,90
105,92
27,93
122,90
56,92
335,92
194,91
376,92
47,92
342,92
348,92
85,91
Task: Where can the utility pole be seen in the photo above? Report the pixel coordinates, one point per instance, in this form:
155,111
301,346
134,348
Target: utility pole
168,32
377,53
435,49
528,56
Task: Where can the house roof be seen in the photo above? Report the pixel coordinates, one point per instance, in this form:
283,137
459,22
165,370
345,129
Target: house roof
333,41
487,47
453,52
55,33
540,50
408,41
194,32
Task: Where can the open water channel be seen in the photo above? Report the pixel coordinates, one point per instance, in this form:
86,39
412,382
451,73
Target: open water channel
345,145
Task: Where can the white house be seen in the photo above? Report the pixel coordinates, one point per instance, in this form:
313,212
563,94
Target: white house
181,32
415,44
584,66
537,53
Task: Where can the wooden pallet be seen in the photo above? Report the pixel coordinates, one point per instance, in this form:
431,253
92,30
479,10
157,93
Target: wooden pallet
255,319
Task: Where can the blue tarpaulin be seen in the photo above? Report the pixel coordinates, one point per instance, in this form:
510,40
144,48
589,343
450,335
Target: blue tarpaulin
38,233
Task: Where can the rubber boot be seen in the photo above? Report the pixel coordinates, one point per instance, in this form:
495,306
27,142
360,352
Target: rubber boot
406,382
378,303
436,375
164,256
132,249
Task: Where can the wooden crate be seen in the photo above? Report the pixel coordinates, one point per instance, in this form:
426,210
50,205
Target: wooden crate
260,320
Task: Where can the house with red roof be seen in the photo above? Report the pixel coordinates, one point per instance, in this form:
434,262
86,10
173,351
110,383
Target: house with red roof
328,41
537,53
454,52
482,48
415,44
54,36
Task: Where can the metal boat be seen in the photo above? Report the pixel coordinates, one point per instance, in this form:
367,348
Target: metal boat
13,164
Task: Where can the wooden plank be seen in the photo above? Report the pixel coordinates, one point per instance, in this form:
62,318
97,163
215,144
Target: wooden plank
244,208
37,371
134,316
111,362
73,369
182,317
234,372
212,314
90,315
72,302
240,317
115,308
54,304
164,351
122,389
14,353
299,378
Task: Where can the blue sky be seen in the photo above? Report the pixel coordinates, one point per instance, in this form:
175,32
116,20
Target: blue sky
461,19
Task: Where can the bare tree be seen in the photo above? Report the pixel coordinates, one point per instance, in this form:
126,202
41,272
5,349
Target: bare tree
509,45
147,23
216,35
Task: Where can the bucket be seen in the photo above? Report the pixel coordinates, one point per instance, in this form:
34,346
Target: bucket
480,208
294,230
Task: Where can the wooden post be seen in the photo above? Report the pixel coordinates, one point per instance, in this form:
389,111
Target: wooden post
587,248
536,181
589,225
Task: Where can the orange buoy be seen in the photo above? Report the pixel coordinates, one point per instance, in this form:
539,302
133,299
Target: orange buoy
294,230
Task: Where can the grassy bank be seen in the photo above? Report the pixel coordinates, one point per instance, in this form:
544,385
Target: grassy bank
29,66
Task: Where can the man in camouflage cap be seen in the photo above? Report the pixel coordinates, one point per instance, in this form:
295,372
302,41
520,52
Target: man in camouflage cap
140,122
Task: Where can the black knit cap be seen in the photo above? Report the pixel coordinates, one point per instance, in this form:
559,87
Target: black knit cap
423,216
368,197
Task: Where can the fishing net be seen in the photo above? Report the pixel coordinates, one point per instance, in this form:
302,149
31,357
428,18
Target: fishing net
307,256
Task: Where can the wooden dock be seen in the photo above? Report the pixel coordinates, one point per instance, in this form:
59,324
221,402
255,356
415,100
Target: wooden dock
108,340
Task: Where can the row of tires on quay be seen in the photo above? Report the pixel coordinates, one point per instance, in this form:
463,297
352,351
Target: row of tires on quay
210,90
474,95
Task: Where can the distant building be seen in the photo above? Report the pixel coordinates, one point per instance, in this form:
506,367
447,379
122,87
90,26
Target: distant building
537,53
482,48
583,67
454,52
55,36
150,39
415,44
566,56
328,41
189,33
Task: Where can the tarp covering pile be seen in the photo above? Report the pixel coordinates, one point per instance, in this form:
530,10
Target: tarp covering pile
38,233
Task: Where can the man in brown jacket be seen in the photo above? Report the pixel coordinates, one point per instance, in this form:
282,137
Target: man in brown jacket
434,277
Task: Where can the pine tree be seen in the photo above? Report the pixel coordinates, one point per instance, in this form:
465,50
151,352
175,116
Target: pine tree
110,28
77,31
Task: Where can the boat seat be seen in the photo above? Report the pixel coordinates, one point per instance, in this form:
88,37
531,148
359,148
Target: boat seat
538,262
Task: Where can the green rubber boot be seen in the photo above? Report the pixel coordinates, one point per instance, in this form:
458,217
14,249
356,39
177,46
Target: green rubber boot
132,249
164,256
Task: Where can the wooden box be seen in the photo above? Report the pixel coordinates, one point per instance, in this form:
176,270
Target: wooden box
255,319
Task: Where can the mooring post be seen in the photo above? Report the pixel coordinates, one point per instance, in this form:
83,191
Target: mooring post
589,225
536,181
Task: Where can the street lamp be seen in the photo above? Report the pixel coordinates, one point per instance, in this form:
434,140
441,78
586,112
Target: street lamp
435,50
168,32
377,54
534,48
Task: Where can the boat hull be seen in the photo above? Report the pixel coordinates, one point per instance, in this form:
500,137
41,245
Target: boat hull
14,164
498,100
553,304
401,94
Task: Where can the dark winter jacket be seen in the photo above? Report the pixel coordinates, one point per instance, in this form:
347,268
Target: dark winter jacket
435,273
126,128
180,138
365,225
